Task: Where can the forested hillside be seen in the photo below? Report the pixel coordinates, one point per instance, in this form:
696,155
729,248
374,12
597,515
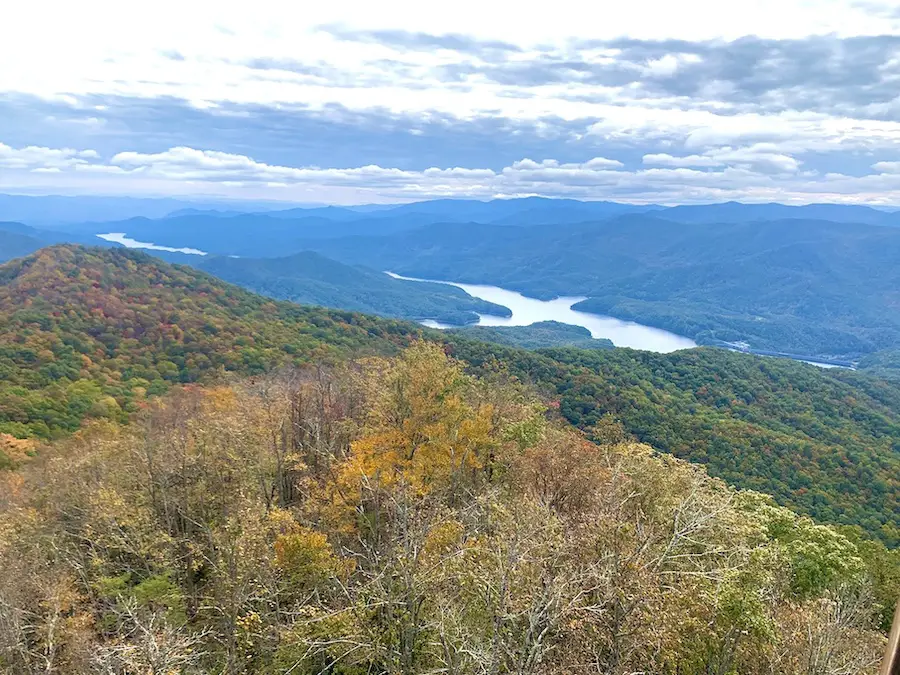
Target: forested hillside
311,279
15,244
400,517
823,442
799,286
538,335
93,332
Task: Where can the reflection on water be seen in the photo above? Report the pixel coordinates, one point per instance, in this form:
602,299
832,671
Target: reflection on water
431,323
526,311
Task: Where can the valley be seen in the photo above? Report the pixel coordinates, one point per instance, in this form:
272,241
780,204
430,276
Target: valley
527,311
130,383
815,281
423,339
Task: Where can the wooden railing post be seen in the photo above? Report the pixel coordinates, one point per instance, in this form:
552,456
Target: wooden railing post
891,663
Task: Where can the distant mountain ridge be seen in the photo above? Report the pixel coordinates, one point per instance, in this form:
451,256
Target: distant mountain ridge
813,279
801,286
736,212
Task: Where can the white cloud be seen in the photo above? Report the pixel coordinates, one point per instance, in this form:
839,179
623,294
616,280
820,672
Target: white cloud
602,163
278,54
33,157
112,49
750,173
665,159
764,157
887,167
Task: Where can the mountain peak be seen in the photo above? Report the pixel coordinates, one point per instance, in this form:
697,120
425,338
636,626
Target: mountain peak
93,324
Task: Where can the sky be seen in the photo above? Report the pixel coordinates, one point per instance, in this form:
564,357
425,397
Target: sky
645,101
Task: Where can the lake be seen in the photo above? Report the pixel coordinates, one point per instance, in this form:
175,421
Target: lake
121,238
526,311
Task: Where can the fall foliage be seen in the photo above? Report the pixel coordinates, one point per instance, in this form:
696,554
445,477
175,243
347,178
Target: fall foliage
396,515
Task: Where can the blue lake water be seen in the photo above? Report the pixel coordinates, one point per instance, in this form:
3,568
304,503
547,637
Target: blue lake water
526,311
128,242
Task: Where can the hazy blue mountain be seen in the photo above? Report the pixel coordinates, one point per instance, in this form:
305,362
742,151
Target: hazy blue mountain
735,212
215,213
311,279
507,211
540,335
51,210
19,228
18,239
801,286
527,210
56,210
328,212
569,212
248,235
15,245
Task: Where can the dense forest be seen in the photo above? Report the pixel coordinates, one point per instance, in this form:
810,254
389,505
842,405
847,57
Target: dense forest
399,516
311,279
541,334
798,286
94,334
89,333
824,442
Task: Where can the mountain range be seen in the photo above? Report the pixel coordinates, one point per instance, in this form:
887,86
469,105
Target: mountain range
814,280
90,333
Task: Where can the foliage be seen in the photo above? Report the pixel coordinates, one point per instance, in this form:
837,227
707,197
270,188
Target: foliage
824,442
311,279
95,334
885,363
798,286
399,516
91,333
536,336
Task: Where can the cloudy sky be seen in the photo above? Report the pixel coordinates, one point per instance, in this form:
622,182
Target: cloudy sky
353,102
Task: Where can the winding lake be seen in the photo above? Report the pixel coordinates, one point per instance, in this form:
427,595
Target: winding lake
526,311
128,242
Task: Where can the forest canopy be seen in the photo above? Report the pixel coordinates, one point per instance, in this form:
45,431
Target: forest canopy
399,516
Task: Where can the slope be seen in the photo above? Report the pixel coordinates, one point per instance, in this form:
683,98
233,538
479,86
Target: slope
400,517
808,287
90,332
18,239
823,442
539,335
15,244
309,278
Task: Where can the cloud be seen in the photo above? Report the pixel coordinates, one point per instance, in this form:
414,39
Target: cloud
665,159
753,173
763,157
887,167
419,41
816,73
43,159
673,101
